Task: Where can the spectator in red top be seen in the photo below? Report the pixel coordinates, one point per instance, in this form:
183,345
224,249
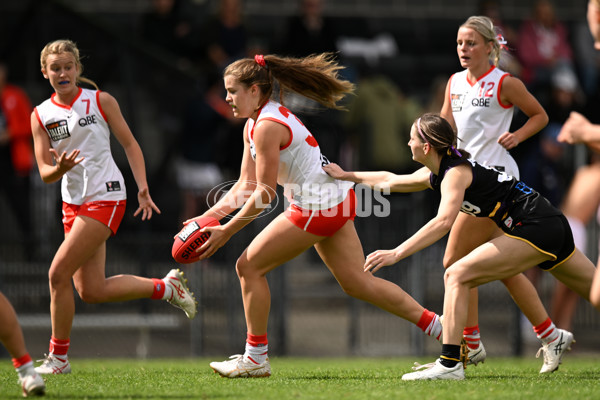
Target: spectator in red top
543,46
16,151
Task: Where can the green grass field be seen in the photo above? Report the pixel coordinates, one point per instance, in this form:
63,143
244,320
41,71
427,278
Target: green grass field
300,378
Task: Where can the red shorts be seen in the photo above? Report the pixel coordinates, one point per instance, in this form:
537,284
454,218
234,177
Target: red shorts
323,222
110,213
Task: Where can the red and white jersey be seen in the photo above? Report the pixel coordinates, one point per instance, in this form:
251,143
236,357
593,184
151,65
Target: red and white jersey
481,118
300,171
82,125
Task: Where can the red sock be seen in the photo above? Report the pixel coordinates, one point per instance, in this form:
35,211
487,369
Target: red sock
430,324
59,347
546,331
471,335
256,340
159,289
19,362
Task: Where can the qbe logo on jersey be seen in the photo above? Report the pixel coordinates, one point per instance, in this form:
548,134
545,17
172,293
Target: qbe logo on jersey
58,130
457,100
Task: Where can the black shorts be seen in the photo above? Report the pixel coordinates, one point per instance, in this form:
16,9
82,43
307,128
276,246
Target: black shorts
551,235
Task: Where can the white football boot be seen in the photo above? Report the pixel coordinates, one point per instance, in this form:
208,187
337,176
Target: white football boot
434,371
476,356
553,352
239,366
54,365
32,385
181,296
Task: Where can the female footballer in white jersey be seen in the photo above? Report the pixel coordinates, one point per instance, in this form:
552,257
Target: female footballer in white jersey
278,149
71,132
479,103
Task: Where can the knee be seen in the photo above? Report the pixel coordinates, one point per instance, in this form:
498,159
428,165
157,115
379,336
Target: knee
357,288
244,268
58,279
453,276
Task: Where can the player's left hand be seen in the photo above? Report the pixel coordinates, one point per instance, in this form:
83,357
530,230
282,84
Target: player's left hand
380,258
146,205
508,141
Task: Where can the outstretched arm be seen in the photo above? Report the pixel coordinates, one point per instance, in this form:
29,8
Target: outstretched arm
383,180
453,190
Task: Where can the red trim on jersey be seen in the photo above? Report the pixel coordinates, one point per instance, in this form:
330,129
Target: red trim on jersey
500,89
62,105
37,115
481,77
99,105
284,124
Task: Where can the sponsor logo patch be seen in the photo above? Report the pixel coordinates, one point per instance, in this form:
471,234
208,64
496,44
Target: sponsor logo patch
457,101
58,130
113,186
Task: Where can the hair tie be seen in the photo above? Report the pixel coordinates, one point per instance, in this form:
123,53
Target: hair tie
502,42
260,60
421,132
455,151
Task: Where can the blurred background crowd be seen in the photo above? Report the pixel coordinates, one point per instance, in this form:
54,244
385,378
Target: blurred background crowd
163,59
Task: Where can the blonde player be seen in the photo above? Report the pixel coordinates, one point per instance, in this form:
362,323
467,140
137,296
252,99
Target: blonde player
479,103
71,132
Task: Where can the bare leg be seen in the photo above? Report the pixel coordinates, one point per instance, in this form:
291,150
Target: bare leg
11,334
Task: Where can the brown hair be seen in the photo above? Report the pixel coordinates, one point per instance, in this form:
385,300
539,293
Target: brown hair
65,46
315,77
439,134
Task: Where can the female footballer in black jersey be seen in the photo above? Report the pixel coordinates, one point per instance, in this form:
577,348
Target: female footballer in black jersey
532,232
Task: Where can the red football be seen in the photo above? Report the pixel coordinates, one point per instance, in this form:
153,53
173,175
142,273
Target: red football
189,239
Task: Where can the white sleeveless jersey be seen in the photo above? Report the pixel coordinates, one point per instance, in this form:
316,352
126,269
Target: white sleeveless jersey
83,126
300,172
481,118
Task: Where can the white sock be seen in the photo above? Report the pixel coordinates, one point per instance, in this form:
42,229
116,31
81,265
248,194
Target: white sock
435,328
26,369
257,354
549,335
168,291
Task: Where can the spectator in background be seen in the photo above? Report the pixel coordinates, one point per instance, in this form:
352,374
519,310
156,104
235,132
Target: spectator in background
543,47
16,149
309,31
168,27
226,35
379,118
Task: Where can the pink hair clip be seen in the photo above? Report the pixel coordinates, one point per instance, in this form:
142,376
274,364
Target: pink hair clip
260,60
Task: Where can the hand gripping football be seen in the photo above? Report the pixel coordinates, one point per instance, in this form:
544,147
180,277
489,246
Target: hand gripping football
189,239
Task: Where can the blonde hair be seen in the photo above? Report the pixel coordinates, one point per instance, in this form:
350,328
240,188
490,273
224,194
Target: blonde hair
485,27
65,46
315,77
